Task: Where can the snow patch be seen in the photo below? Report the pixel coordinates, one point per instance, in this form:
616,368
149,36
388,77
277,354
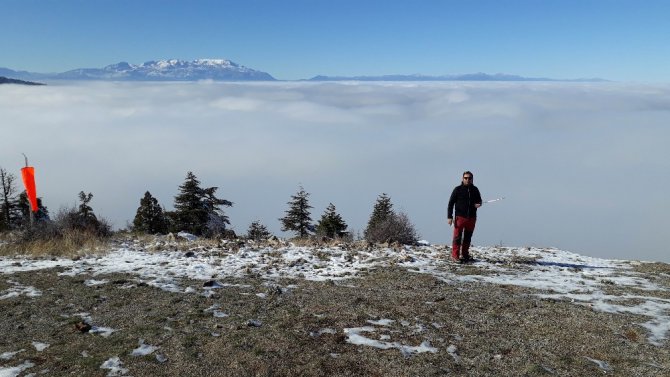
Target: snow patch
105,332
92,282
354,337
15,371
381,322
10,355
18,289
143,349
115,366
326,330
452,351
187,236
601,364
40,346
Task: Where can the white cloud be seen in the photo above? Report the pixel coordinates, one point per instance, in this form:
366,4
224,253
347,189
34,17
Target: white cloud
583,166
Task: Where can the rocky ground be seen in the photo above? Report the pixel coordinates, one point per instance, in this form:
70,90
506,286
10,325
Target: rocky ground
387,319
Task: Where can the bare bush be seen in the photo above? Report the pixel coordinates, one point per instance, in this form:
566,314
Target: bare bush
67,243
397,227
70,233
41,230
73,219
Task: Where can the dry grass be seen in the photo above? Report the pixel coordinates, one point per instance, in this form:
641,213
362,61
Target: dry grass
495,331
632,335
72,243
654,268
320,241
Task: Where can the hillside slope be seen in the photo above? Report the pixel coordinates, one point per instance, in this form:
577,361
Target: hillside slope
169,308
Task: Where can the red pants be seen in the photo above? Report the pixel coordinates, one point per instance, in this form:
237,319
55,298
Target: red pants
463,229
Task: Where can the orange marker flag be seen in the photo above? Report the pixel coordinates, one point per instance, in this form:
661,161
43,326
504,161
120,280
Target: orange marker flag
28,175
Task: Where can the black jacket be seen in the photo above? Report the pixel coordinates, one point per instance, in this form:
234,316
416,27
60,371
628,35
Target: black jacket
464,199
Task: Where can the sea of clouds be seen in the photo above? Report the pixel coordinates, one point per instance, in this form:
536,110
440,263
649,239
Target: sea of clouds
583,166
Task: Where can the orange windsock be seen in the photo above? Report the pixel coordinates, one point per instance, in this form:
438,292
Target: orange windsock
28,175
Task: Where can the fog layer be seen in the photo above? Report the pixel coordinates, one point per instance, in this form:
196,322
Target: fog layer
583,167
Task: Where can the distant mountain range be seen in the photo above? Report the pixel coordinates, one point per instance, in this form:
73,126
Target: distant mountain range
161,70
226,70
5,80
465,77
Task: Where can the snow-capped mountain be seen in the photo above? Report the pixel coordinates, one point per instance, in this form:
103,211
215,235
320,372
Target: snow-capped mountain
161,70
171,70
226,70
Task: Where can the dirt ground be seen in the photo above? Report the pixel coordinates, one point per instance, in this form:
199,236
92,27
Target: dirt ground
250,327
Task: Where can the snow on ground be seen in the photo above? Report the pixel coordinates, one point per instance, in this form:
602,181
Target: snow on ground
143,349
386,333
39,346
18,290
551,272
105,332
9,355
15,371
354,337
601,364
115,366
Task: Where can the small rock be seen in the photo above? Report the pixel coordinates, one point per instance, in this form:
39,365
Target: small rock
274,290
189,254
212,284
82,327
254,323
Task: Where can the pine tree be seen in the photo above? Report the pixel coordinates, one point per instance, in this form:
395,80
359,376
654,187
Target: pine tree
8,204
24,208
387,226
150,217
85,211
258,231
297,217
331,224
381,212
216,218
197,210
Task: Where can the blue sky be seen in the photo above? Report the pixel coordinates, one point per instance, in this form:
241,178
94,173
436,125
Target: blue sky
293,39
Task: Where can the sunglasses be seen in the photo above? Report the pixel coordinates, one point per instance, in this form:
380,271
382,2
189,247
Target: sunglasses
467,177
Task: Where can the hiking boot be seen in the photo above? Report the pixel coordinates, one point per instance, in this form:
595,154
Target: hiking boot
468,259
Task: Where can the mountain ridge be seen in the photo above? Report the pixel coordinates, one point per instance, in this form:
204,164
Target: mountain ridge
227,70
6,80
479,76
155,70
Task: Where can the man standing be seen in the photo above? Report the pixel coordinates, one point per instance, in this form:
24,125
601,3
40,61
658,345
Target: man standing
466,199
